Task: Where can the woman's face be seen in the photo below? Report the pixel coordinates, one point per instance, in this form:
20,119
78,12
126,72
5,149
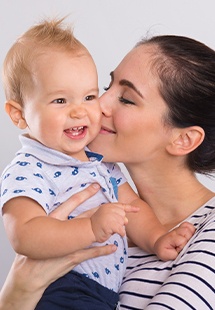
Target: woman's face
133,128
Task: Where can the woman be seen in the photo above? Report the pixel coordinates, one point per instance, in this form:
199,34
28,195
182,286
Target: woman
159,119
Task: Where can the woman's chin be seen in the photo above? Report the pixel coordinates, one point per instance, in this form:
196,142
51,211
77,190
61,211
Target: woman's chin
98,145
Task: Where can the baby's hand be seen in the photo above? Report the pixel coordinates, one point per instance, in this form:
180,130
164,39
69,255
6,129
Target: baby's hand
169,245
109,219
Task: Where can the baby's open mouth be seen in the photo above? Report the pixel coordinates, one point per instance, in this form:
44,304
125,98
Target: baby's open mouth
76,131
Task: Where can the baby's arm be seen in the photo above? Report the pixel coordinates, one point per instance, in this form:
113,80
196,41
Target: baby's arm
145,230
34,234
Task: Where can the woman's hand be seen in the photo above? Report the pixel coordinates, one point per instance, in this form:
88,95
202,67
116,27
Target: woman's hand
28,278
62,212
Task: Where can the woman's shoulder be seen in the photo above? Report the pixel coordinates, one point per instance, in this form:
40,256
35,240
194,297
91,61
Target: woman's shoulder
203,216
190,275
204,221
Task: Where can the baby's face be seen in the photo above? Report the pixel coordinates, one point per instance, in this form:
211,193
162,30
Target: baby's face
63,111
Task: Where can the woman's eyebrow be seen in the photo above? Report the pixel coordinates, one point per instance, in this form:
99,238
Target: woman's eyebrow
130,85
127,83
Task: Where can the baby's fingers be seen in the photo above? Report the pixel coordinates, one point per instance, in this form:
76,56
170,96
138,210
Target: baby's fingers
186,230
129,208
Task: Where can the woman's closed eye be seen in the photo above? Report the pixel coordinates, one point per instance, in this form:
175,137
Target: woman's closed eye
126,101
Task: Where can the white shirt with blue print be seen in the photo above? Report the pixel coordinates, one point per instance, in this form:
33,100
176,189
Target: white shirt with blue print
51,177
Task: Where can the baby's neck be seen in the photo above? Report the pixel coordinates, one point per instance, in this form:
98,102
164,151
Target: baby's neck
82,156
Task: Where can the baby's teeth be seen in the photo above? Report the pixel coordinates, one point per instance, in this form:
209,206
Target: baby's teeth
75,133
77,128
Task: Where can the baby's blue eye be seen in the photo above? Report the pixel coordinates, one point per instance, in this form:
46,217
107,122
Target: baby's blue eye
59,100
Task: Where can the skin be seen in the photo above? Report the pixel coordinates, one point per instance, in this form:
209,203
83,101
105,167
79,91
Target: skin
56,108
124,123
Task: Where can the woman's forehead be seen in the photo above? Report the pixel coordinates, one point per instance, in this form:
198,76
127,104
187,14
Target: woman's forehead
136,66
138,59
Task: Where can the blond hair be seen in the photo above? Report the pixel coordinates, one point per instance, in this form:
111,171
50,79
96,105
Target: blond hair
42,37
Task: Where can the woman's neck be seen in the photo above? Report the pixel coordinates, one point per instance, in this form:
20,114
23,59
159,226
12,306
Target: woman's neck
172,195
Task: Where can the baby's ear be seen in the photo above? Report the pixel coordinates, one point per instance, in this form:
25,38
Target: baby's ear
186,140
15,111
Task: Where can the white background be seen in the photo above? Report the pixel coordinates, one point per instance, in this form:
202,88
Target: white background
109,29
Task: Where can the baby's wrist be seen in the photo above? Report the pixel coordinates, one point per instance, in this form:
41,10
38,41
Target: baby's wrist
93,231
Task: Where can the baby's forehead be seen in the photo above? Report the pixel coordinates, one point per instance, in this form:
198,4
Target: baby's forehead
45,55
59,67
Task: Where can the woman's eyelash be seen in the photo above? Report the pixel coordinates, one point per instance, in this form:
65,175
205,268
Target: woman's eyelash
122,99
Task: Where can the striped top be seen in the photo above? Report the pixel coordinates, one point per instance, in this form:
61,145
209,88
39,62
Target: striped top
188,282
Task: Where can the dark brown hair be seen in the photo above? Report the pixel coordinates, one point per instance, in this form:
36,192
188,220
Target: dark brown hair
186,72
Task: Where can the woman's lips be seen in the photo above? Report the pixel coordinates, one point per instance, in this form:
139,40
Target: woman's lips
105,131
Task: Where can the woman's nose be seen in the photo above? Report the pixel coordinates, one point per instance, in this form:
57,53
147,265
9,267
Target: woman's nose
106,104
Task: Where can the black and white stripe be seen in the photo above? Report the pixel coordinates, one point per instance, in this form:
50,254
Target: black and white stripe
186,283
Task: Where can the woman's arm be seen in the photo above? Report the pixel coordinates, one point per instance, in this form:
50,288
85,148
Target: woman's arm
145,230
28,278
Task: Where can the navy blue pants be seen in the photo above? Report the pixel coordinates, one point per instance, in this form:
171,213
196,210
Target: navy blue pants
76,292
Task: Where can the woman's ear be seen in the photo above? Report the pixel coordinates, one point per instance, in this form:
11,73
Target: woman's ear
185,140
15,111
